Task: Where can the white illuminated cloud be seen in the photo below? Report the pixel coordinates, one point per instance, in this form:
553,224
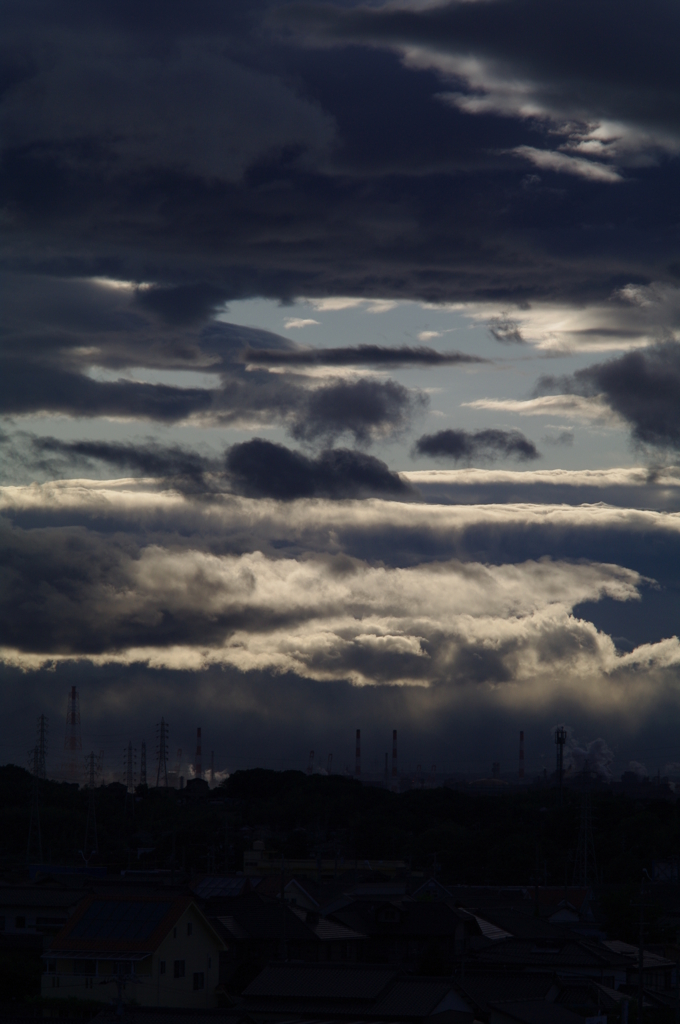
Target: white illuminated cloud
296,321
634,316
495,87
573,407
553,160
336,303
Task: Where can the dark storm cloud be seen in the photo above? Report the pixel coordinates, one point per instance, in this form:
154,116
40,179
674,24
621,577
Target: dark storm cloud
259,468
643,387
255,468
481,445
573,54
361,355
184,304
317,171
365,408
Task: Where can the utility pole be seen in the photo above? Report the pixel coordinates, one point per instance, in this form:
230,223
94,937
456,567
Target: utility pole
129,759
641,957
73,743
91,844
34,834
39,754
560,740
284,951
585,865
42,747
162,751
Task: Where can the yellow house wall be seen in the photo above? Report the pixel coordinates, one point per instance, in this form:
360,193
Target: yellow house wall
200,952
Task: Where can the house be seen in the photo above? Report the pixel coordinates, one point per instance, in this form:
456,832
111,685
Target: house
352,992
532,1012
36,910
159,950
256,930
408,931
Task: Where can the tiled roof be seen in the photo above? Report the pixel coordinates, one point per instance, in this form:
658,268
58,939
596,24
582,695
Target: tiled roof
412,998
557,956
119,924
327,931
415,918
293,981
538,1012
30,897
649,960
488,988
219,886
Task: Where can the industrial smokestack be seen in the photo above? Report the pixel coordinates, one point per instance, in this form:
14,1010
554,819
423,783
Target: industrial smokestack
357,763
521,756
395,773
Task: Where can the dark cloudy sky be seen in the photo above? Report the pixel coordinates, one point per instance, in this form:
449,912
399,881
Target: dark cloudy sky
340,377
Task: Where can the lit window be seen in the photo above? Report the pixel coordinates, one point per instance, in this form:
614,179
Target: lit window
199,981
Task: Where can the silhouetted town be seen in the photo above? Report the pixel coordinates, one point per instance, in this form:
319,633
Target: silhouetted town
293,896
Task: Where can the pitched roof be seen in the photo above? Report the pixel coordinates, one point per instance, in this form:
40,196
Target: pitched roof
537,1011
28,896
415,918
413,997
484,989
557,955
120,924
221,886
311,981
